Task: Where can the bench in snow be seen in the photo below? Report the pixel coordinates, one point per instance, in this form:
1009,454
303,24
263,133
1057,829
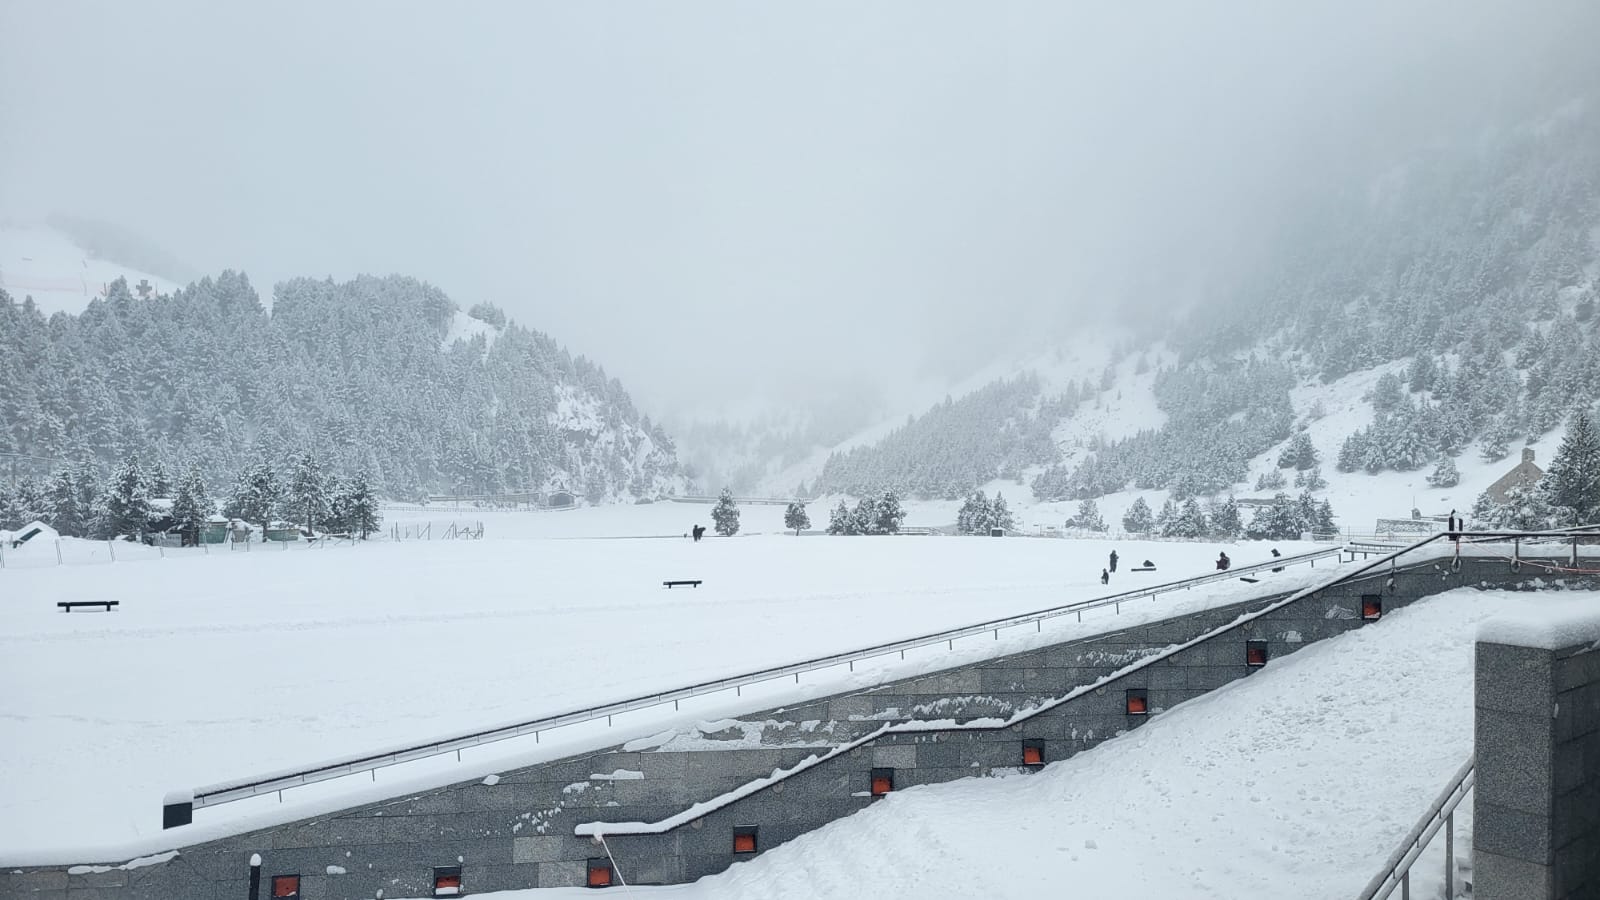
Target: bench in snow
1248,580
672,584
1144,569
69,604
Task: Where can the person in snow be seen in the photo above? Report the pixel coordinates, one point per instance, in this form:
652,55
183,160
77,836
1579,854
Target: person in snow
1149,565
1276,554
1452,526
699,532
1223,562
1113,560
1105,577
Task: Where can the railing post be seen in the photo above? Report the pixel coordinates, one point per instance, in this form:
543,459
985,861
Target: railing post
1405,885
1450,856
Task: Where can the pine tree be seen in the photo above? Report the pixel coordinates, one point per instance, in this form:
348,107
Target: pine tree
1497,439
974,517
1000,514
840,521
127,502
864,518
157,480
1138,520
192,507
1386,394
889,514
1298,454
1169,511
67,513
307,496
1089,518
1445,474
1270,480
1526,508
1225,521
1353,452
1190,522
255,496
1325,524
795,517
1424,372
725,515
355,507
1572,483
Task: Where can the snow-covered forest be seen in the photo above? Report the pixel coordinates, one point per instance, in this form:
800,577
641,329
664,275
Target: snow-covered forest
383,377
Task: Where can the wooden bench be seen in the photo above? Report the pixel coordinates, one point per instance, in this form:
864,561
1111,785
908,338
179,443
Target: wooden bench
69,604
1248,580
1143,569
672,584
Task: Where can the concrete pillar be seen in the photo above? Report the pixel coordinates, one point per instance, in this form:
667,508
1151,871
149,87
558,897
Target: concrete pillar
1536,808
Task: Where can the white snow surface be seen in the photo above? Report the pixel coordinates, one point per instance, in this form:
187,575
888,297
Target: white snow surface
1295,782
41,262
1552,626
228,665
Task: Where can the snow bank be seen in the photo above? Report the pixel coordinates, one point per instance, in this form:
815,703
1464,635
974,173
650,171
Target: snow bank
1547,627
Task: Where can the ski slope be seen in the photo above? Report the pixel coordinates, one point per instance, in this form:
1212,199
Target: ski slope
40,262
232,664
1295,782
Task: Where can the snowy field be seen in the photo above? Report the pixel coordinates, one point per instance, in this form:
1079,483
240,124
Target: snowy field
1296,782
229,665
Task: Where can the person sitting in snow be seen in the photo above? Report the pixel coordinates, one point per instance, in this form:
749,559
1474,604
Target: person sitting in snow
1223,562
1105,577
1276,554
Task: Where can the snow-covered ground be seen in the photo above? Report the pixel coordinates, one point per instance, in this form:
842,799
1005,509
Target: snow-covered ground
43,263
231,664
1295,782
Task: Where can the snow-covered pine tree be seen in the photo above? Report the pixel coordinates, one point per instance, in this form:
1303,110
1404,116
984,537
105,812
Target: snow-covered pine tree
864,518
1298,454
307,497
67,514
1572,482
1089,518
356,506
127,502
1387,393
1169,511
974,516
1325,525
1000,514
1353,452
192,507
1270,480
795,517
1190,522
1225,523
1138,519
255,495
1424,371
889,514
840,521
1408,444
1445,474
1526,508
725,515
1497,438
157,481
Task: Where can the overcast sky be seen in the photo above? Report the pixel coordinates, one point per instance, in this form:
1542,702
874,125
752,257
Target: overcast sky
726,203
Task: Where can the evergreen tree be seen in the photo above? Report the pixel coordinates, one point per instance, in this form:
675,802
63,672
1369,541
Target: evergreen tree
840,521
355,507
974,517
192,507
1282,521
256,495
158,481
1190,522
1089,518
1311,479
1325,524
1353,452
1497,439
1225,521
889,514
795,517
1572,483
1526,508
1423,373
127,502
1386,394
725,515
1271,480
1000,514
1298,453
67,513
1445,474
8,520
307,497
864,518
1169,511
1138,519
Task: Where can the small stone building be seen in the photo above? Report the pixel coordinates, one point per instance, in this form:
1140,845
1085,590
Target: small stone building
1526,473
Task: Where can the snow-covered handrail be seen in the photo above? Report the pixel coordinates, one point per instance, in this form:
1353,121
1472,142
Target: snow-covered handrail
1442,814
224,792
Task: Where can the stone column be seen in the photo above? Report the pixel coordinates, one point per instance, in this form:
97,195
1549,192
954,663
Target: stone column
1536,831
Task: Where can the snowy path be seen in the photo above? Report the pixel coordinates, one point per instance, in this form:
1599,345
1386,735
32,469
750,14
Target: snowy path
232,665
1296,782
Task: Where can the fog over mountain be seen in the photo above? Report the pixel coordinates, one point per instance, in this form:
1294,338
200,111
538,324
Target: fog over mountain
737,207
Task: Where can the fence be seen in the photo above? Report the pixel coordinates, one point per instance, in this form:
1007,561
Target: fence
426,531
37,554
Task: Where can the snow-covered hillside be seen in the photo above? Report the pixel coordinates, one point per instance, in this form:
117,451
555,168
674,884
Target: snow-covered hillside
41,262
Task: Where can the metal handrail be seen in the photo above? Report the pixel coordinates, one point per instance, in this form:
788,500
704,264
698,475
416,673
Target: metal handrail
225,792
1396,871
